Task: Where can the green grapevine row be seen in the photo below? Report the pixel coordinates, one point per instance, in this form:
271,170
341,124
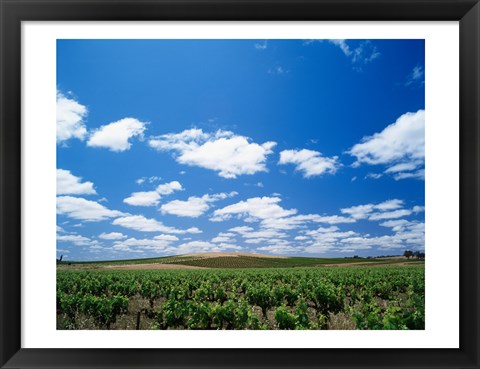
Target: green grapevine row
297,298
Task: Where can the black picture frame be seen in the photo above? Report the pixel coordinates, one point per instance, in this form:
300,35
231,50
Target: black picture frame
13,12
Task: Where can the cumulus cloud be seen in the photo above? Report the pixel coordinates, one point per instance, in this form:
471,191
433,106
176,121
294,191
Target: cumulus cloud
155,244
142,224
400,147
168,188
152,198
391,214
194,206
296,221
410,234
262,234
253,209
334,219
82,209
115,136
68,184
224,152
195,247
365,211
225,237
310,163
112,236
278,249
77,240
70,119
143,198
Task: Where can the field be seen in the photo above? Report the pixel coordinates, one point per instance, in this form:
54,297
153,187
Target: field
243,292
235,260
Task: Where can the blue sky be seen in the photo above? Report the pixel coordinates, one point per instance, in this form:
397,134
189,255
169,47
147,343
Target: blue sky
291,147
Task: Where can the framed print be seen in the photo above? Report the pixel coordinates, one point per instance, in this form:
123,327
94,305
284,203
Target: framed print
239,184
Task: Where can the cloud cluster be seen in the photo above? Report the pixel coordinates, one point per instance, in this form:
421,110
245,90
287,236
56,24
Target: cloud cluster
253,209
115,136
68,184
310,163
82,209
224,152
400,147
194,206
142,224
70,119
112,236
152,198
364,53
366,210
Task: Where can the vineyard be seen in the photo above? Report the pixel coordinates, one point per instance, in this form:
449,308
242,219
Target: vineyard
297,298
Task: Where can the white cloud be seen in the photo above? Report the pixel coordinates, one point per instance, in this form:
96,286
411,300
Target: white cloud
407,234
194,206
68,184
241,229
79,208
143,198
364,53
400,147
77,240
297,221
278,249
115,136
221,238
419,174
389,205
418,209
342,44
70,119
224,152
402,167
416,77
112,236
374,175
334,219
155,244
152,198
194,247
166,237
390,214
358,211
256,208
142,224
365,211
151,179
261,46
168,188
310,163
262,234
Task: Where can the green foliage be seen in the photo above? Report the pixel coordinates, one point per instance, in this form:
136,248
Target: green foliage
300,298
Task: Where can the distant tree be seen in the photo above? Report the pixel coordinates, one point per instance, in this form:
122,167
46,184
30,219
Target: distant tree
419,255
408,254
